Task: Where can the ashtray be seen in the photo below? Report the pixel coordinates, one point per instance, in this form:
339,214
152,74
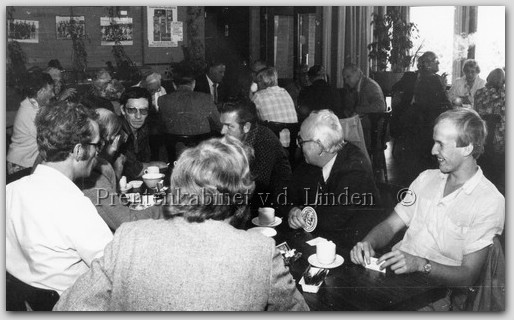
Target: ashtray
312,279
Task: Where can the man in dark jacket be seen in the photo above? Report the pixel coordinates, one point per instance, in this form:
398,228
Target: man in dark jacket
336,178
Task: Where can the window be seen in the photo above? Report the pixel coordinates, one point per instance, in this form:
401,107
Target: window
436,33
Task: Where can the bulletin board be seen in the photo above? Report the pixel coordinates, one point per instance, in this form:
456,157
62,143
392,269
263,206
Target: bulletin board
164,34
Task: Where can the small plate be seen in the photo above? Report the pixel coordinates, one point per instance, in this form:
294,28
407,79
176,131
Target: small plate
268,232
275,223
313,260
310,217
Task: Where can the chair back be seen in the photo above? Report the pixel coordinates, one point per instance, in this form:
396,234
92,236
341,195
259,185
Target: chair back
23,297
488,294
352,131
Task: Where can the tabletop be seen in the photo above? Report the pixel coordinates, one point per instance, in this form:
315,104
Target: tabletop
352,287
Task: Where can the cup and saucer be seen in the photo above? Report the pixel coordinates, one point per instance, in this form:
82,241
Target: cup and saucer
266,218
313,260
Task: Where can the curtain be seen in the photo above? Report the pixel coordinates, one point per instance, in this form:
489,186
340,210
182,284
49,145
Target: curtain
465,26
347,32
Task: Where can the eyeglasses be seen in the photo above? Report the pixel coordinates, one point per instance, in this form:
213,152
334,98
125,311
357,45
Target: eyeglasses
300,142
143,112
98,145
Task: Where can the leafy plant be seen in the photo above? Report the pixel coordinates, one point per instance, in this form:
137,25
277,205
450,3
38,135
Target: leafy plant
127,69
79,53
393,41
194,53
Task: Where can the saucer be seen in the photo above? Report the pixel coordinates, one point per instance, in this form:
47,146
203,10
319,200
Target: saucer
310,217
268,232
313,260
275,223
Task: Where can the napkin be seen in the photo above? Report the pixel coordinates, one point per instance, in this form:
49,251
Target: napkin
315,241
374,266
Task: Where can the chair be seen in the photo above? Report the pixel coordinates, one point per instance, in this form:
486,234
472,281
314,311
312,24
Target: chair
23,297
352,131
171,141
378,142
488,294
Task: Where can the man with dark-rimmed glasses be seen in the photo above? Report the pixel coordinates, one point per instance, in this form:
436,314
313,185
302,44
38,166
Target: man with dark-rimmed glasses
135,104
335,177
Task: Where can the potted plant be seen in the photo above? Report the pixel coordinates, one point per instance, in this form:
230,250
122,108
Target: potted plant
390,54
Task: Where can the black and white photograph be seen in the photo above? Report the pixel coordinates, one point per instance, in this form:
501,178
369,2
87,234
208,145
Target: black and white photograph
330,158
116,30
64,26
26,31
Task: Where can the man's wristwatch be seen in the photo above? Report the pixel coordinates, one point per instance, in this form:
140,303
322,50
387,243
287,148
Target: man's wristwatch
427,267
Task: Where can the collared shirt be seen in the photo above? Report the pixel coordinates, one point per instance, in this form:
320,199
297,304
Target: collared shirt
460,88
136,149
445,229
275,104
328,167
23,149
52,230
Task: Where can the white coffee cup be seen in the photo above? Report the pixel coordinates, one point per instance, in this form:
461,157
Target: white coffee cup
152,169
266,215
326,252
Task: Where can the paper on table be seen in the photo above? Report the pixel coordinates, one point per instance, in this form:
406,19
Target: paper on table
374,266
315,241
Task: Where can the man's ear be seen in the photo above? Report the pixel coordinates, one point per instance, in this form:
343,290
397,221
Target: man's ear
78,152
122,109
247,127
468,149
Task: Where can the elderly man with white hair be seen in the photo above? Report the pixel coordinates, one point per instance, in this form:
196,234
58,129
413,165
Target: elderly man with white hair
335,178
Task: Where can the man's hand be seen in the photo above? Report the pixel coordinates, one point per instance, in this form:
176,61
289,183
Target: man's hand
401,262
361,253
295,218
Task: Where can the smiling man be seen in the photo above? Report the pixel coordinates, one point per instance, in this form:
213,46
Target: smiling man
53,231
454,216
135,104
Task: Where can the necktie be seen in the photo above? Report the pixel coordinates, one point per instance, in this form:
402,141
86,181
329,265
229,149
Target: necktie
215,92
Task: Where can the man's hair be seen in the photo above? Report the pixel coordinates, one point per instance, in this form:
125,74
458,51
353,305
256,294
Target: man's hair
245,109
471,64
36,80
150,77
183,74
258,65
213,180
55,63
316,70
61,126
324,125
109,123
135,93
424,59
352,67
215,63
472,129
268,77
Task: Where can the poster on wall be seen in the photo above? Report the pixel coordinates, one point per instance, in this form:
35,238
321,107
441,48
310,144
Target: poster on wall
26,31
163,28
63,26
116,29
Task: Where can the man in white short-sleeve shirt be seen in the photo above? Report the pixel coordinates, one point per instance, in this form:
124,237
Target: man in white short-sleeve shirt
452,214
53,232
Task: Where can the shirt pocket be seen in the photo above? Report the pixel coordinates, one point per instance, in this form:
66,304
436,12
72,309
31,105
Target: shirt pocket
452,242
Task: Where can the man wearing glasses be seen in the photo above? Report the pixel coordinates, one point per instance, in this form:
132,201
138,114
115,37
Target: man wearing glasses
335,177
135,104
53,231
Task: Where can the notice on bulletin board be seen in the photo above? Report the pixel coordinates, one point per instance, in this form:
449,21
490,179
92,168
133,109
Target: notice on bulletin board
163,28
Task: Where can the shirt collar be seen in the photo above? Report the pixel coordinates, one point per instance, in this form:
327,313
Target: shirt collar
55,175
472,182
210,81
328,167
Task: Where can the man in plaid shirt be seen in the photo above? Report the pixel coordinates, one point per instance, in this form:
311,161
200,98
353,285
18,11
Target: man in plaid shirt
273,103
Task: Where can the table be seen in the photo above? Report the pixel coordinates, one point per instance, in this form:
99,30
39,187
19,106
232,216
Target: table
352,287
